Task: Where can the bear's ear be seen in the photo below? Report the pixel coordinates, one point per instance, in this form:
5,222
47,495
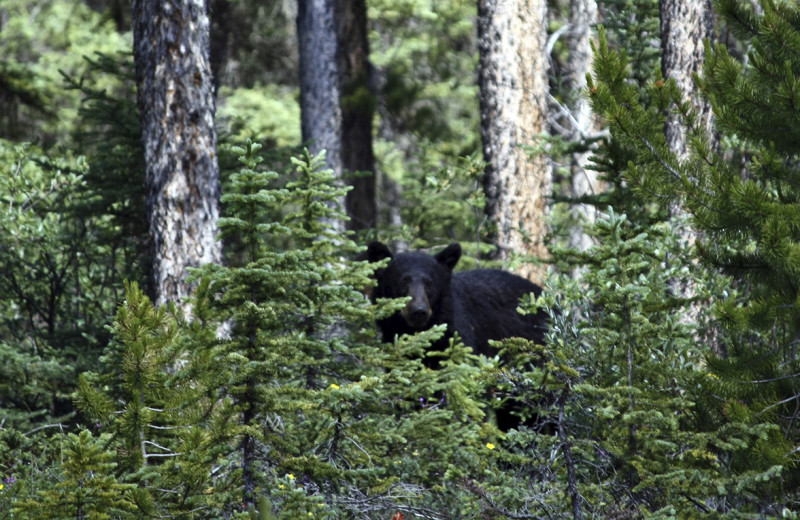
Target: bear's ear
376,251
450,255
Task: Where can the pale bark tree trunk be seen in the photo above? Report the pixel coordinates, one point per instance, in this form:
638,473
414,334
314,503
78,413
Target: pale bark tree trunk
584,181
357,105
512,35
684,26
319,84
176,107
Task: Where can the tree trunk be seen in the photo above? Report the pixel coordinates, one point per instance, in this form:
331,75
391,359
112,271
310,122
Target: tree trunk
584,181
176,107
357,105
221,44
684,26
319,83
512,80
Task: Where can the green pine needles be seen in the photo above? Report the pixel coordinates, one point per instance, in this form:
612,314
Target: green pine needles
275,399
743,200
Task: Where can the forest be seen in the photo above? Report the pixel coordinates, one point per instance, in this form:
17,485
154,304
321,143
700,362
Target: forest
188,189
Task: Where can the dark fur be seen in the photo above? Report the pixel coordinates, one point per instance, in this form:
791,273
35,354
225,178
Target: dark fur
480,305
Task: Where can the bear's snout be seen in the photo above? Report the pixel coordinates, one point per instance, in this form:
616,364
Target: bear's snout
417,312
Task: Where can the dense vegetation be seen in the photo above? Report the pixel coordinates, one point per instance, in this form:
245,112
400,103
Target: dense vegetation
274,390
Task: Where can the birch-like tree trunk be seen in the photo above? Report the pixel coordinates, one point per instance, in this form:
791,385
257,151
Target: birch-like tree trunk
319,83
585,182
512,35
357,105
176,110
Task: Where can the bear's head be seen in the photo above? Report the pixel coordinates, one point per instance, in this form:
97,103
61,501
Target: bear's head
425,278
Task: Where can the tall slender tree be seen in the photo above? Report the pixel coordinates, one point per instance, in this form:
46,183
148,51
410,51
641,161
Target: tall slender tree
744,200
335,98
357,105
176,106
685,26
584,180
512,79
319,83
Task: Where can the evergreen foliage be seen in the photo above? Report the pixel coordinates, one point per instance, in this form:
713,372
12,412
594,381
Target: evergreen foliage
107,131
622,416
276,398
54,284
426,55
272,397
445,203
634,27
42,40
87,487
67,232
741,199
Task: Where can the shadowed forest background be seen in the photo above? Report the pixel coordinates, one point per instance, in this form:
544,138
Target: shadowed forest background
187,189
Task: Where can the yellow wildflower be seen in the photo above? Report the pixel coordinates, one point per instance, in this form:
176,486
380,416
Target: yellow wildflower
490,445
334,386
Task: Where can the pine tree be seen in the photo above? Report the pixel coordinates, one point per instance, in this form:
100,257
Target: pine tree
512,77
327,421
166,427
742,199
88,490
179,140
615,404
276,399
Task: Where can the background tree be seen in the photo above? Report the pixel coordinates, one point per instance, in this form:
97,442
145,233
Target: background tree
336,101
512,80
581,124
320,97
358,106
742,200
176,106
685,26
40,42
424,59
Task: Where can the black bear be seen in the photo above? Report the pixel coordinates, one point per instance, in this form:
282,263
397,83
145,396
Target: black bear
480,304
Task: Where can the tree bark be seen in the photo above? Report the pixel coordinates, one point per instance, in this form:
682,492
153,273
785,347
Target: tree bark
357,105
512,80
684,26
584,181
176,109
319,84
